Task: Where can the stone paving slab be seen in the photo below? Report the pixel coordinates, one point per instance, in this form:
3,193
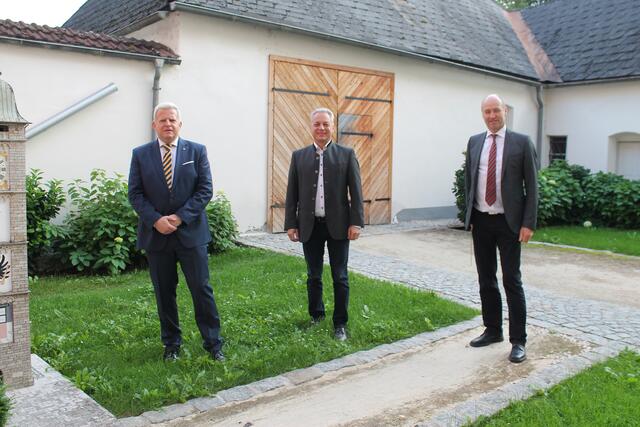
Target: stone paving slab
53,401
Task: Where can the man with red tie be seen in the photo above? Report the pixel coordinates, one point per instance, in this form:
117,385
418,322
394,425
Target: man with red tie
501,191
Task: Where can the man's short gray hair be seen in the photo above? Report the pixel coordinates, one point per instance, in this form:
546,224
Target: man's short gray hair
166,106
322,110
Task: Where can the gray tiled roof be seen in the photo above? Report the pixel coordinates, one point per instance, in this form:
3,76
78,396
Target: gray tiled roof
109,16
472,32
589,39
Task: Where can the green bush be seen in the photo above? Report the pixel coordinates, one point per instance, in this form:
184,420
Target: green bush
44,201
5,406
458,190
222,224
560,195
612,200
102,226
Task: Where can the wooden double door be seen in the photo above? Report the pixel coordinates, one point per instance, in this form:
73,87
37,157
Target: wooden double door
363,101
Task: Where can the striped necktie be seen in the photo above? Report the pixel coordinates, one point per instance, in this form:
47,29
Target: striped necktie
490,195
167,165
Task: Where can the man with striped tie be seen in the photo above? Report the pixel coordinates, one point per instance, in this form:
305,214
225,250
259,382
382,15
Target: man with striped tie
502,201
169,188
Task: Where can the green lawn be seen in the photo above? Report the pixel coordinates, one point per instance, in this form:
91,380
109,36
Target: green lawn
611,239
103,332
607,394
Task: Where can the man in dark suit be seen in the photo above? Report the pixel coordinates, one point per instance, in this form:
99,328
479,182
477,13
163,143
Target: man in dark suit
324,204
169,188
502,200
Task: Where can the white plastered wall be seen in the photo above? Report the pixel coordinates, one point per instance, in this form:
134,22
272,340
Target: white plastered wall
222,88
47,81
593,118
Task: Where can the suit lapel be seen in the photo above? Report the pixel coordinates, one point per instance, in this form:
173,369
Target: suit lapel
505,152
476,151
156,161
181,150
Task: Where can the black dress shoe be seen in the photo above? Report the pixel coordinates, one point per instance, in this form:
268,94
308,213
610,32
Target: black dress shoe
171,353
218,356
340,334
518,353
485,339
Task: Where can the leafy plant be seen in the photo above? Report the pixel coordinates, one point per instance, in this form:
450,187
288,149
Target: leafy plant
222,224
458,190
560,195
5,406
613,200
102,226
44,201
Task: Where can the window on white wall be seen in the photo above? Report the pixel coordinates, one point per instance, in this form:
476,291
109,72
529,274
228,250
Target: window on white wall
557,148
509,109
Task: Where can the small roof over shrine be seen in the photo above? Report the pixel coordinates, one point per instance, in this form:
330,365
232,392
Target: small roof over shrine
8,109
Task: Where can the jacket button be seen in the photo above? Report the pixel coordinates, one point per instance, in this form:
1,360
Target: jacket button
314,185
316,171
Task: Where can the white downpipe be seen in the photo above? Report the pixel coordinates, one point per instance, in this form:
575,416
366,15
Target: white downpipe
80,105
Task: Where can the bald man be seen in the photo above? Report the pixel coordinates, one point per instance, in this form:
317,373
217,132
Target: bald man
502,200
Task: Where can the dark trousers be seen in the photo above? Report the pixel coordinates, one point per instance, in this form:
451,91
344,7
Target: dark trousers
491,232
164,275
338,258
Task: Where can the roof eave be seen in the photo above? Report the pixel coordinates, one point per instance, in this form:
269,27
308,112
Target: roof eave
592,82
181,6
87,49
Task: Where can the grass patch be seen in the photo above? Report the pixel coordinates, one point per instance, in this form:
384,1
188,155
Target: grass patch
611,239
607,394
103,332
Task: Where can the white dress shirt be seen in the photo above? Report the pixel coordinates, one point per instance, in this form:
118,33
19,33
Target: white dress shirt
481,190
320,185
174,149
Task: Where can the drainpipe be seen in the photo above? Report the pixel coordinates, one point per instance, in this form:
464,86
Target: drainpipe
540,122
158,64
80,105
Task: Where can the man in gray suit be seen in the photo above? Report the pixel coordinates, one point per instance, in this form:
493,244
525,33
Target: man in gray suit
324,204
502,200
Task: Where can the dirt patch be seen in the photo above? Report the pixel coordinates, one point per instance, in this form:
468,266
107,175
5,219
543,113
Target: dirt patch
585,275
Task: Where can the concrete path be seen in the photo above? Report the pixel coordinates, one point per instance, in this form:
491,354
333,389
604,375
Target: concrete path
583,308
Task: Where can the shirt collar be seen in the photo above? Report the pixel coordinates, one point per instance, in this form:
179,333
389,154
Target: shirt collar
501,133
173,144
326,146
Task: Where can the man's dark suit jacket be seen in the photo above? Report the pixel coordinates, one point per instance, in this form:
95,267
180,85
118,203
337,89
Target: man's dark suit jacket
341,179
519,179
151,198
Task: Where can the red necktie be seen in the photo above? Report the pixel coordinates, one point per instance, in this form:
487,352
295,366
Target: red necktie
490,195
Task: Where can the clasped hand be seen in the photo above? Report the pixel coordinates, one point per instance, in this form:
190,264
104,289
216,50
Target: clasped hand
168,224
